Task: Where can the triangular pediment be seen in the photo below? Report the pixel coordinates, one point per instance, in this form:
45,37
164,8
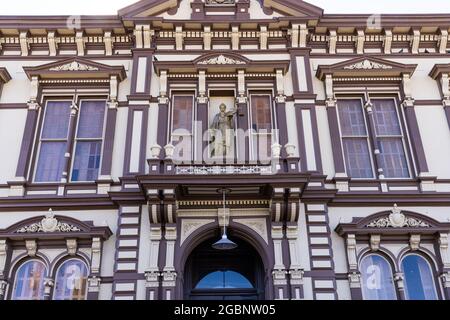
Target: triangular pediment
153,8
296,8
75,68
148,8
365,66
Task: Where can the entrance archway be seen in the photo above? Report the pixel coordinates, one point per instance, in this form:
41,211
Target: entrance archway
211,274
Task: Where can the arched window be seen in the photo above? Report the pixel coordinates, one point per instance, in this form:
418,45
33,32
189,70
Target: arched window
377,279
29,282
419,282
71,281
224,280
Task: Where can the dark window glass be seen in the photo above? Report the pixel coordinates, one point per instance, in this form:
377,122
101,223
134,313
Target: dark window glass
224,280
385,116
261,115
71,281
390,140
92,116
357,157
88,146
50,164
393,159
182,113
354,139
56,121
351,118
377,279
29,284
419,282
87,161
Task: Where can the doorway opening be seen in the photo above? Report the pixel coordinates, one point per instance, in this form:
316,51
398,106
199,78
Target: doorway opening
236,274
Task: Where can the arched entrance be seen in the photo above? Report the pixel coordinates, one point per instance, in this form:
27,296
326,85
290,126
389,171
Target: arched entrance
212,274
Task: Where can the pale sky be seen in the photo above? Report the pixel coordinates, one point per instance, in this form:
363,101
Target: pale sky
91,7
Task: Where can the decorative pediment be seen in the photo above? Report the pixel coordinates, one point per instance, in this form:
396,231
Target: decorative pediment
394,222
213,62
54,227
221,60
365,67
48,224
147,8
151,8
76,68
396,219
296,8
440,69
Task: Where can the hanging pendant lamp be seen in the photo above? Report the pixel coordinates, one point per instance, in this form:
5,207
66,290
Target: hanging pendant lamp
224,243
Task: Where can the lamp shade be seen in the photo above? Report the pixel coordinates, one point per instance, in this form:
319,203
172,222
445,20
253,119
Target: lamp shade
224,244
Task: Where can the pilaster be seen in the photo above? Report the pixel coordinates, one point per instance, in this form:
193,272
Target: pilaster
321,252
127,253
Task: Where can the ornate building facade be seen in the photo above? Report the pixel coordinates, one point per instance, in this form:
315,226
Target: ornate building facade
320,142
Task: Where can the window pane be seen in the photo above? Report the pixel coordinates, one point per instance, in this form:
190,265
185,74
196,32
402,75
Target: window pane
87,161
385,116
224,280
377,279
51,161
357,158
92,115
182,112
262,147
419,283
56,122
29,284
71,281
261,116
393,159
351,118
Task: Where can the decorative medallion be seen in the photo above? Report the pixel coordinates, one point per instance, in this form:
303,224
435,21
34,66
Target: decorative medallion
49,224
397,220
74,66
221,60
367,65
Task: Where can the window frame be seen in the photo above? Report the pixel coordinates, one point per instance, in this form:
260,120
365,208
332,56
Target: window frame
400,117
56,277
76,140
372,136
16,272
252,134
367,137
39,140
71,134
436,284
391,268
183,93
